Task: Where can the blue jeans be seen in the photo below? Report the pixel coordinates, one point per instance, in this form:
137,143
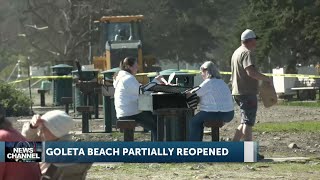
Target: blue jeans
196,123
146,120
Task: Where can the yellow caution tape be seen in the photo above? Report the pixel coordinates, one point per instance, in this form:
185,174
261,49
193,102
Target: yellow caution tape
40,77
149,73
183,70
18,81
225,72
295,75
267,74
51,77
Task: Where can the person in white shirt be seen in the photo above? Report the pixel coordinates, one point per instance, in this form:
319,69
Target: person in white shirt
126,96
215,101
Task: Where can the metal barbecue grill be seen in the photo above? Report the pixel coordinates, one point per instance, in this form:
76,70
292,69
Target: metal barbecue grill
163,88
165,96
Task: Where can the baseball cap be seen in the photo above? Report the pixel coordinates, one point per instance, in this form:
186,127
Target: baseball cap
248,34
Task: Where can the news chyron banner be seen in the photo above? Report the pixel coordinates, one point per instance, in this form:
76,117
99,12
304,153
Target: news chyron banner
22,151
132,152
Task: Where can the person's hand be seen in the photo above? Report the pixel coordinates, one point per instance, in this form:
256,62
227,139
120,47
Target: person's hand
188,94
36,121
269,81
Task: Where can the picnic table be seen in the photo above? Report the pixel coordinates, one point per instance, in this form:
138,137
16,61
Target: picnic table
304,93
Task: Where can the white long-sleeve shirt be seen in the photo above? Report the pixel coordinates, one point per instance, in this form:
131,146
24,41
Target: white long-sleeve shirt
215,96
126,94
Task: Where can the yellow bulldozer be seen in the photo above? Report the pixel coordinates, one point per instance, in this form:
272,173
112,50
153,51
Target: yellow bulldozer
121,36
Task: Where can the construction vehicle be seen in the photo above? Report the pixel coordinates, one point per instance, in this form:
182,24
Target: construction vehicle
121,36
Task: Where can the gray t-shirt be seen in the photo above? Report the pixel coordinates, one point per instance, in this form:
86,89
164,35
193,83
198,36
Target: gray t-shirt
242,84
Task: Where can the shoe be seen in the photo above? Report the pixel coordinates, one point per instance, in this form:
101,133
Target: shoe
260,157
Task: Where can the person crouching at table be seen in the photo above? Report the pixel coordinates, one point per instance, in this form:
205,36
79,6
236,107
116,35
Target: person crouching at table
126,96
215,101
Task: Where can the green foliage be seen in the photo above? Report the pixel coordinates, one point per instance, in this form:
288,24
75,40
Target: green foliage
15,101
289,30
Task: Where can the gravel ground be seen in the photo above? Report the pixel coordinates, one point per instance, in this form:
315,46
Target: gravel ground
272,144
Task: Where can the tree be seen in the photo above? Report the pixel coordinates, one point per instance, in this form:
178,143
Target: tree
288,29
192,31
57,29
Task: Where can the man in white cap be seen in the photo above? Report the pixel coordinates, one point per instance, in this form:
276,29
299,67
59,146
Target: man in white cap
244,79
52,126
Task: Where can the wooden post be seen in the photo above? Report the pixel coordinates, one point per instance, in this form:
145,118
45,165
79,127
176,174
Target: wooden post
107,114
66,101
215,133
85,122
42,93
128,127
215,125
86,114
160,128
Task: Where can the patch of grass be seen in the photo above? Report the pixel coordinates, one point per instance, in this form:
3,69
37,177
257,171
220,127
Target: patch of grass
278,167
304,126
117,135
208,171
301,103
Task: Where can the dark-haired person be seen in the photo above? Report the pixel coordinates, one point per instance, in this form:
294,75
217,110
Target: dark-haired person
127,93
215,101
15,170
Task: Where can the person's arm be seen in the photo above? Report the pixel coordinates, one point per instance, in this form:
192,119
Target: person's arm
29,133
252,72
203,88
30,129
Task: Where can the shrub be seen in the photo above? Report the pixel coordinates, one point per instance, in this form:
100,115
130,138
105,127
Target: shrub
14,101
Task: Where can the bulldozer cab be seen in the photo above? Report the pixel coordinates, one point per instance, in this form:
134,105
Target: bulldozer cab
121,32
122,28
120,36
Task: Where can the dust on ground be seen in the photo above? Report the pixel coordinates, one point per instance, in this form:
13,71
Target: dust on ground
272,144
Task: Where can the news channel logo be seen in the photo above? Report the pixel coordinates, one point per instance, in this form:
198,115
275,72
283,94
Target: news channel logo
23,151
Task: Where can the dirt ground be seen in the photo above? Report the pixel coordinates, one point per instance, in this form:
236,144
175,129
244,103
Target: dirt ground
272,144
120,171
